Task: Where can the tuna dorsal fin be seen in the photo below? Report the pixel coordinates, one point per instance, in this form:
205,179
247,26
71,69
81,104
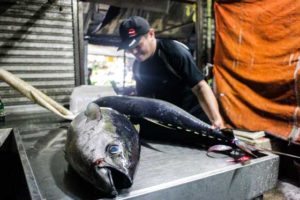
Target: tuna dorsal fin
93,112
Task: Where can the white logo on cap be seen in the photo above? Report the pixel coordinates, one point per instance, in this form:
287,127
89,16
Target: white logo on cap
132,42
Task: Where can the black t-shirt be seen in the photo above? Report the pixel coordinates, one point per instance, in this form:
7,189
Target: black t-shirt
155,79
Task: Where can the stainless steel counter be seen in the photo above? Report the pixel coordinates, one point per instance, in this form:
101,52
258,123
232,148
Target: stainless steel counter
166,171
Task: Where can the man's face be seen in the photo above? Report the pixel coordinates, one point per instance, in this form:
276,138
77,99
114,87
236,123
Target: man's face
144,49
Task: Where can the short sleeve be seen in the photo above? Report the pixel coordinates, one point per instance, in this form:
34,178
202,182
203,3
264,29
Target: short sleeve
182,61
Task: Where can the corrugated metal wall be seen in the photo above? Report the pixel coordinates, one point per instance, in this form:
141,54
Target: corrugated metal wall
37,45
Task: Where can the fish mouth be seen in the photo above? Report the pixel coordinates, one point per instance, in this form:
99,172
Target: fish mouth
112,180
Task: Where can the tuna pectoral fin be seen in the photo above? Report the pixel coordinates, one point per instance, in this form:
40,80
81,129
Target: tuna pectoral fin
145,144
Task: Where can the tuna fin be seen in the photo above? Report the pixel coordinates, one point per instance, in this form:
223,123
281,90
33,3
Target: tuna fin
228,133
245,147
241,145
93,112
145,144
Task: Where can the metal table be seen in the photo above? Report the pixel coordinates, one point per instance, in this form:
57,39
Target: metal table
166,171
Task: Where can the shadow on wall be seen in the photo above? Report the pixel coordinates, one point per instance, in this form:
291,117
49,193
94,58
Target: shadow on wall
18,35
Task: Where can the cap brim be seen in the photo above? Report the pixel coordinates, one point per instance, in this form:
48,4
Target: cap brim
129,44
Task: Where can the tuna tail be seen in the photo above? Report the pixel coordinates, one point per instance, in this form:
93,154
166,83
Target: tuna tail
249,149
228,135
245,147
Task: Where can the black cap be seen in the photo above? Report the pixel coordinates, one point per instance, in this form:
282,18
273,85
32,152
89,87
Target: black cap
131,31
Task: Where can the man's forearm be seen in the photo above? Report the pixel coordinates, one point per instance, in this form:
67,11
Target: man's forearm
208,102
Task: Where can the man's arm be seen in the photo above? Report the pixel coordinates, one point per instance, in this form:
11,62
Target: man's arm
208,102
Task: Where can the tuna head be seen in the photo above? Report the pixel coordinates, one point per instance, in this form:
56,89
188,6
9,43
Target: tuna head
103,147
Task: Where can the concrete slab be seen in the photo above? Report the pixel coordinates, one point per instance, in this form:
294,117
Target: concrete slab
166,171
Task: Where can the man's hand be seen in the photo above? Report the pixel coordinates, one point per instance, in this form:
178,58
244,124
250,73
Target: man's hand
218,124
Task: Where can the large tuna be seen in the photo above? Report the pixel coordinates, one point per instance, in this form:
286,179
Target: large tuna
103,148
172,116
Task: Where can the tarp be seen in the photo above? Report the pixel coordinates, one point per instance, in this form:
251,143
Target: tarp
256,65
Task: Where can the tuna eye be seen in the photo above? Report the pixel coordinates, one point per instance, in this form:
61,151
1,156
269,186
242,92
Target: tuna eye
114,149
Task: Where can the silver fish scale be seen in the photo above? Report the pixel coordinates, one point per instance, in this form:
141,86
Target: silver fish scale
87,148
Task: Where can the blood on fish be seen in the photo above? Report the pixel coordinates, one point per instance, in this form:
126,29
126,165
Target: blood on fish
99,161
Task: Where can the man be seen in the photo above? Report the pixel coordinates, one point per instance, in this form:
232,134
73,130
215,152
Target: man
165,69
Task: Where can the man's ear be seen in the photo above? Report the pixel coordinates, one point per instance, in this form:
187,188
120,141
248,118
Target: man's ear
151,33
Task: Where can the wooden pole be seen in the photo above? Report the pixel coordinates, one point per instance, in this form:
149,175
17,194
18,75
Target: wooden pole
35,95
